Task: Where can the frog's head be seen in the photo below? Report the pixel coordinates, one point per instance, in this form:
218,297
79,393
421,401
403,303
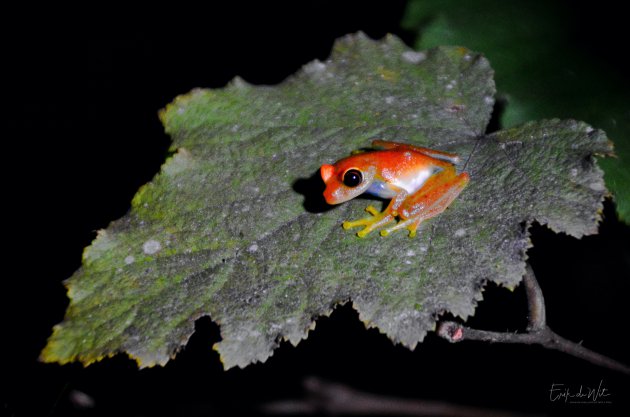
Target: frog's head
346,179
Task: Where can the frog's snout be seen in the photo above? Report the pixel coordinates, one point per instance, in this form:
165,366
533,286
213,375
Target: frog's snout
326,172
329,196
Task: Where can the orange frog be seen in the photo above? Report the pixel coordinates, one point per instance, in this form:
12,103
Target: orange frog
420,182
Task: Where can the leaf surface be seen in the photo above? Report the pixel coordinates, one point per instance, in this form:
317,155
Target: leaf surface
232,226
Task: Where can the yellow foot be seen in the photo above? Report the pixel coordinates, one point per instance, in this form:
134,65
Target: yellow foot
369,223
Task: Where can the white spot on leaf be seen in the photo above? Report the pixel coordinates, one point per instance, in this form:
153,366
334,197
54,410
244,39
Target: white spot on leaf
314,67
414,57
151,247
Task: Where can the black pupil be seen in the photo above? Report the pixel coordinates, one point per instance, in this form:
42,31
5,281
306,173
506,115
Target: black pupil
352,177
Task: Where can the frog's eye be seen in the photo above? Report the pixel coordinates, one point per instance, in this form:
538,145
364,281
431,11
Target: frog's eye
352,177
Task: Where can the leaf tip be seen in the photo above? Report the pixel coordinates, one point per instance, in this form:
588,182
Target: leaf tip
57,350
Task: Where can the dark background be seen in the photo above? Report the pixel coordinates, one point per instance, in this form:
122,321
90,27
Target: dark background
88,137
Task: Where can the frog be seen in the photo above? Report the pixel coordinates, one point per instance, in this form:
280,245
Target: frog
419,182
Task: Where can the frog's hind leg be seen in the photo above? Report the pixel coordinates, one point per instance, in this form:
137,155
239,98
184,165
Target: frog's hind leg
439,196
432,199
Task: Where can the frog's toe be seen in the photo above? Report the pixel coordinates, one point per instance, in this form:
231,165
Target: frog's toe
409,224
413,227
372,210
356,223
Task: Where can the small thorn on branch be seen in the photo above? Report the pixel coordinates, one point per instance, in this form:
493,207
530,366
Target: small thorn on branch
537,331
537,319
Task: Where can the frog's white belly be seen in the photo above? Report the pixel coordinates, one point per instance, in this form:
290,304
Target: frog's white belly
413,183
409,183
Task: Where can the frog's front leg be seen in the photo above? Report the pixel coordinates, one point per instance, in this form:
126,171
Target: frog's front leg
432,199
378,219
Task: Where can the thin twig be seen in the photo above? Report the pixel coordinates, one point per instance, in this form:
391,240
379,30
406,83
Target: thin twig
329,398
537,332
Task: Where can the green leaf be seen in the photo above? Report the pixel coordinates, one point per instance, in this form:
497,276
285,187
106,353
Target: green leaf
539,72
229,229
